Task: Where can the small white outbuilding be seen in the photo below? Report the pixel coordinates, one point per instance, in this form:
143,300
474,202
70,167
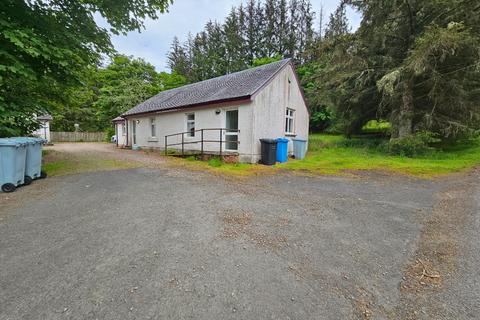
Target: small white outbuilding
44,130
228,114
120,131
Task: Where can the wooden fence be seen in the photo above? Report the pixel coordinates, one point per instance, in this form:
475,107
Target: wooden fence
77,136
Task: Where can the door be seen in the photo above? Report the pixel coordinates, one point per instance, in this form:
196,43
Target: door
134,131
231,134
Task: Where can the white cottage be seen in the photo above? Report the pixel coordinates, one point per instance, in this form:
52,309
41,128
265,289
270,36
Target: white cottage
227,115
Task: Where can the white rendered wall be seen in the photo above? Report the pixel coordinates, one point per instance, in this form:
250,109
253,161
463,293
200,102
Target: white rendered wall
121,134
175,122
270,106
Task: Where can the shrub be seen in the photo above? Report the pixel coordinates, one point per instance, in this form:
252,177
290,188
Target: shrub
109,132
414,145
215,162
367,142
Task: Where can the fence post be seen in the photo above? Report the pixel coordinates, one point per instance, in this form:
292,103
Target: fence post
221,137
182,144
201,152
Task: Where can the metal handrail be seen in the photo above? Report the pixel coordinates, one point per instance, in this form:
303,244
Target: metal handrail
198,130
202,141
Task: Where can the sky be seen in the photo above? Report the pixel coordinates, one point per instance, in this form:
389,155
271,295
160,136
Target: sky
185,16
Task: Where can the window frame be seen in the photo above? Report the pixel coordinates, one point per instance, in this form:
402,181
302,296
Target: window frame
123,127
153,128
190,133
290,121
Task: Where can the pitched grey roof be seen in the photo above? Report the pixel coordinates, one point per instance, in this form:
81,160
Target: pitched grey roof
118,119
45,117
234,86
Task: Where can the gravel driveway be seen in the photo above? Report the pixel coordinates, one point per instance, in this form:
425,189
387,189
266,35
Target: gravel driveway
164,243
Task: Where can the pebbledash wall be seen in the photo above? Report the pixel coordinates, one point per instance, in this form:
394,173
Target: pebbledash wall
263,116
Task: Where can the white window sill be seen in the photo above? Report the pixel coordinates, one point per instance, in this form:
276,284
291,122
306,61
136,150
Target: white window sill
290,134
152,139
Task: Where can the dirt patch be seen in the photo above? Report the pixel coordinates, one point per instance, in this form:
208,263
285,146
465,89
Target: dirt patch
236,224
435,260
106,151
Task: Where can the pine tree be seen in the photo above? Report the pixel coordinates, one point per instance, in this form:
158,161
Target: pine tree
321,31
233,42
270,35
293,29
254,30
177,58
215,49
338,24
306,33
282,28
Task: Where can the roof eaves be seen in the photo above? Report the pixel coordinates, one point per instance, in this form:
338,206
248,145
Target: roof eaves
213,102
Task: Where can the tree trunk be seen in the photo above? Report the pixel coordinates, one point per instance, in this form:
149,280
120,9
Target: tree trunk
405,126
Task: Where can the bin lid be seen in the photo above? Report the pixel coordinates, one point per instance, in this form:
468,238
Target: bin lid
29,140
298,139
271,141
284,140
11,142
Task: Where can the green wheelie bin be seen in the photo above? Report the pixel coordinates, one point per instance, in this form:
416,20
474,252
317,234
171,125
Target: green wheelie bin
12,164
33,159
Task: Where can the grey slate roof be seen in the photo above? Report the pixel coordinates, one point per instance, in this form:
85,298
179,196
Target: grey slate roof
118,119
234,86
45,117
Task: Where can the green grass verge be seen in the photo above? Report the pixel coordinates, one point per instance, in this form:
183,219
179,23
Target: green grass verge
215,165
334,154
61,164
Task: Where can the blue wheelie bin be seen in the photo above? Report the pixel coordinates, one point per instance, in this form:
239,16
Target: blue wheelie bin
299,148
33,159
282,150
12,164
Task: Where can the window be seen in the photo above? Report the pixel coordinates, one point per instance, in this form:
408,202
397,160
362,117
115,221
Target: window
153,128
124,131
289,121
191,125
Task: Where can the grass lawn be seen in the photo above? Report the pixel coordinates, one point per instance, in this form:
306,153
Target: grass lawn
60,163
334,154
328,155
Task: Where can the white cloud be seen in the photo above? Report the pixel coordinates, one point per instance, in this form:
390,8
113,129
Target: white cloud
186,16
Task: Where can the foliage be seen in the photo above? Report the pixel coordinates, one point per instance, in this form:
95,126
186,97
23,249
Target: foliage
259,32
328,154
336,154
109,92
47,46
262,61
338,23
413,63
320,118
109,132
413,145
215,162
377,126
